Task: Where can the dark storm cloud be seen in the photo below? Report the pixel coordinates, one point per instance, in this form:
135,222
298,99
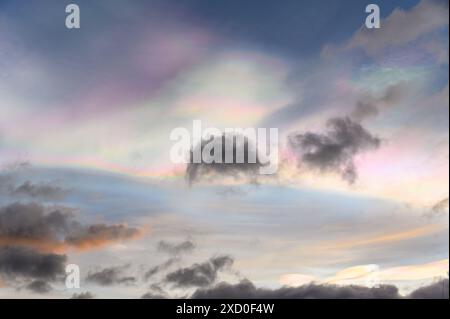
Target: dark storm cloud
247,169
111,276
44,191
176,249
438,290
82,295
199,275
39,286
334,150
47,228
19,262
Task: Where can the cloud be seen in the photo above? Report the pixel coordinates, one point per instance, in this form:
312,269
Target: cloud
334,150
199,275
370,106
438,290
55,229
247,169
44,191
156,269
20,262
441,206
176,249
39,286
110,276
83,295
247,290
101,234
402,27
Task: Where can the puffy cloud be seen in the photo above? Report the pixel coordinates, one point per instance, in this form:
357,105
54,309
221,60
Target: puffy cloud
20,262
54,229
334,150
199,275
247,290
240,168
110,276
438,290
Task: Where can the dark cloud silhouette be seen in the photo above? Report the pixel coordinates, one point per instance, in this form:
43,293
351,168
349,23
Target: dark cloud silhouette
176,249
199,275
39,286
42,190
242,151
83,295
20,262
110,276
247,290
334,150
53,229
438,290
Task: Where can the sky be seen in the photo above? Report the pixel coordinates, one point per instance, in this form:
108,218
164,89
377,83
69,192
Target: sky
360,199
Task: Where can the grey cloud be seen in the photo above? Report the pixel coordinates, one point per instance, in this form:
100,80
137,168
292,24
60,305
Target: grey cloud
159,268
39,286
44,191
370,106
19,262
110,276
247,290
31,221
334,150
33,224
176,249
199,275
83,295
208,171
438,290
